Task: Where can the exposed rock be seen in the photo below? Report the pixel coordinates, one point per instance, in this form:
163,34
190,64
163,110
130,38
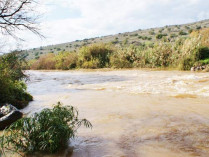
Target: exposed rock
192,69
8,115
198,68
6,109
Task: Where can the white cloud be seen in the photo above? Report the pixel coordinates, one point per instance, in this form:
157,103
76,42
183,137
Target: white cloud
103,17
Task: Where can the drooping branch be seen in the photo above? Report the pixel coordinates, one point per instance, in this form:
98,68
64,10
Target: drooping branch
18,15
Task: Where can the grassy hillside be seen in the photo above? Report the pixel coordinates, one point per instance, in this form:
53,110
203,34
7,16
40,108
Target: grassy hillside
137,38
184,54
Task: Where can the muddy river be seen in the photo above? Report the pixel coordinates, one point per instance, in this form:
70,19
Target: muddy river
135,113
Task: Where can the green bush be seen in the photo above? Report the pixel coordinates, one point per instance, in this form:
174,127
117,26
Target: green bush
202,53
205,61
63,60
66,60
152,32
58,49
123,58
173,35
97,55
115,41
134,35
186,64
190,31
198,27
160,36
46,62
92,64
47,131
159,55
12,87
182,33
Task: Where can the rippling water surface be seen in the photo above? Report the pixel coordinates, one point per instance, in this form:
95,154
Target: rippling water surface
135,113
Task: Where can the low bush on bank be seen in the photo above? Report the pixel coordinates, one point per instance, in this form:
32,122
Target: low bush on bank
123,58
12,86
183,54
45,62
65,60
47,131
94,56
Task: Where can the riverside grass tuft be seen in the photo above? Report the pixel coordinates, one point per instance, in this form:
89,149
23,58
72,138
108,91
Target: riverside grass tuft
44,132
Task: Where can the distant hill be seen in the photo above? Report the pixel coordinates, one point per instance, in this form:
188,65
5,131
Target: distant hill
138,37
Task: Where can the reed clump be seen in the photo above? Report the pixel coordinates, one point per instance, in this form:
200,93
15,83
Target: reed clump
44,132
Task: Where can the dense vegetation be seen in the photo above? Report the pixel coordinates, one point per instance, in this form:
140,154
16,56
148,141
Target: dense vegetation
182,54
171,33
47,131
12,86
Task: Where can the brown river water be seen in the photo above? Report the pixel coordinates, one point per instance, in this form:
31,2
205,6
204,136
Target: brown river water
135,113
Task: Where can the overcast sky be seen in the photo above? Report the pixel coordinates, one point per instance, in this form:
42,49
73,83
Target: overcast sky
69,20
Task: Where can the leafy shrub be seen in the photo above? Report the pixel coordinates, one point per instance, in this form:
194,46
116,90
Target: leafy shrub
198,27
202,53
97,55
123,58
204,33
12,88
190,31
205,61
173,35
152,32
144,37
114,42
187,27
186,64
182,33
92,64
161,30
134,35
149,38
45,62
66,60
159,55
160,36
193,50
47,131
119,62
37,57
